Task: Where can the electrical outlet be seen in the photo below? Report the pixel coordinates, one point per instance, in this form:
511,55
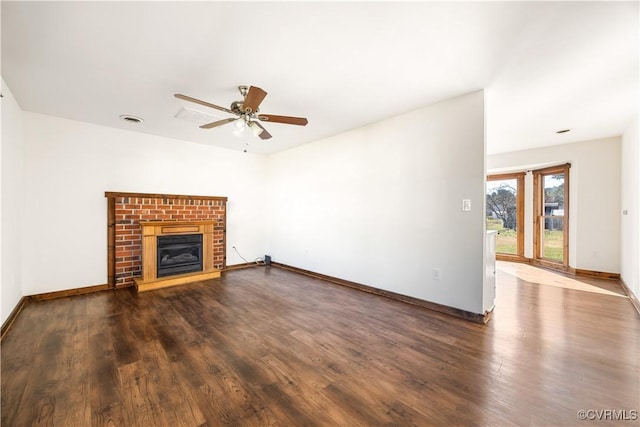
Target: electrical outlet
435,274
466,205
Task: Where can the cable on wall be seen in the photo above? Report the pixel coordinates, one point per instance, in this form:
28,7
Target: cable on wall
258,260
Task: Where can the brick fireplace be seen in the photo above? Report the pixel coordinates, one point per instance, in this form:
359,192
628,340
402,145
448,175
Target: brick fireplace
127,211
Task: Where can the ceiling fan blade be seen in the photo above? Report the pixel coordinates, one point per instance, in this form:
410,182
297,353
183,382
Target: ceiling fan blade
206,104
264,134
253,99
218,123
300,121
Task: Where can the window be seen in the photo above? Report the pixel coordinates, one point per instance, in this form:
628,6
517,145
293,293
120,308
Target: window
505,213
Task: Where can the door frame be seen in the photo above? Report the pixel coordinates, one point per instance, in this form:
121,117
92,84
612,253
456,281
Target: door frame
538,214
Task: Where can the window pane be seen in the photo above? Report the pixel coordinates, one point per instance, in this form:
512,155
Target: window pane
553,239
553,232
501,214
554,194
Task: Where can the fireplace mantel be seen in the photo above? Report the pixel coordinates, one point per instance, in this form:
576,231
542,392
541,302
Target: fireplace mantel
150,232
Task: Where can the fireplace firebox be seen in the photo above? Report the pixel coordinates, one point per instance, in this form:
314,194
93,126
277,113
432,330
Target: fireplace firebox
179,254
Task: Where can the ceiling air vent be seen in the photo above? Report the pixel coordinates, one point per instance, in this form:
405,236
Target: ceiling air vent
131,119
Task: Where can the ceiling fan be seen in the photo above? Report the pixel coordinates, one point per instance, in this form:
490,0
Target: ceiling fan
246,112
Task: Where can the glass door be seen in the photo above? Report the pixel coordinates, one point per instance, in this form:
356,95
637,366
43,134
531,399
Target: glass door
552,213
505,213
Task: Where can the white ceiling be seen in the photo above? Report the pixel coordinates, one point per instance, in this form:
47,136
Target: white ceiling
545,65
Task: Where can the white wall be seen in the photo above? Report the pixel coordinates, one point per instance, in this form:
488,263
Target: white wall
630,235
68,167
594,198
381,205
11,187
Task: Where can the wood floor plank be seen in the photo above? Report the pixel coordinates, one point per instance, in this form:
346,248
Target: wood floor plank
105,383
72,390
269,347
136,396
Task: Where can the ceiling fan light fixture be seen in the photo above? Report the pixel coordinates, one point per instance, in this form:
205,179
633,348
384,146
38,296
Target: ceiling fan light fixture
255,129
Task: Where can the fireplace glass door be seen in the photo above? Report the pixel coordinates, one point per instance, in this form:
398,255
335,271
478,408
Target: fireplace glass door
179,254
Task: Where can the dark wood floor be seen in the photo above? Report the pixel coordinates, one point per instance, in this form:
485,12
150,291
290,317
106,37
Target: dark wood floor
265,346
